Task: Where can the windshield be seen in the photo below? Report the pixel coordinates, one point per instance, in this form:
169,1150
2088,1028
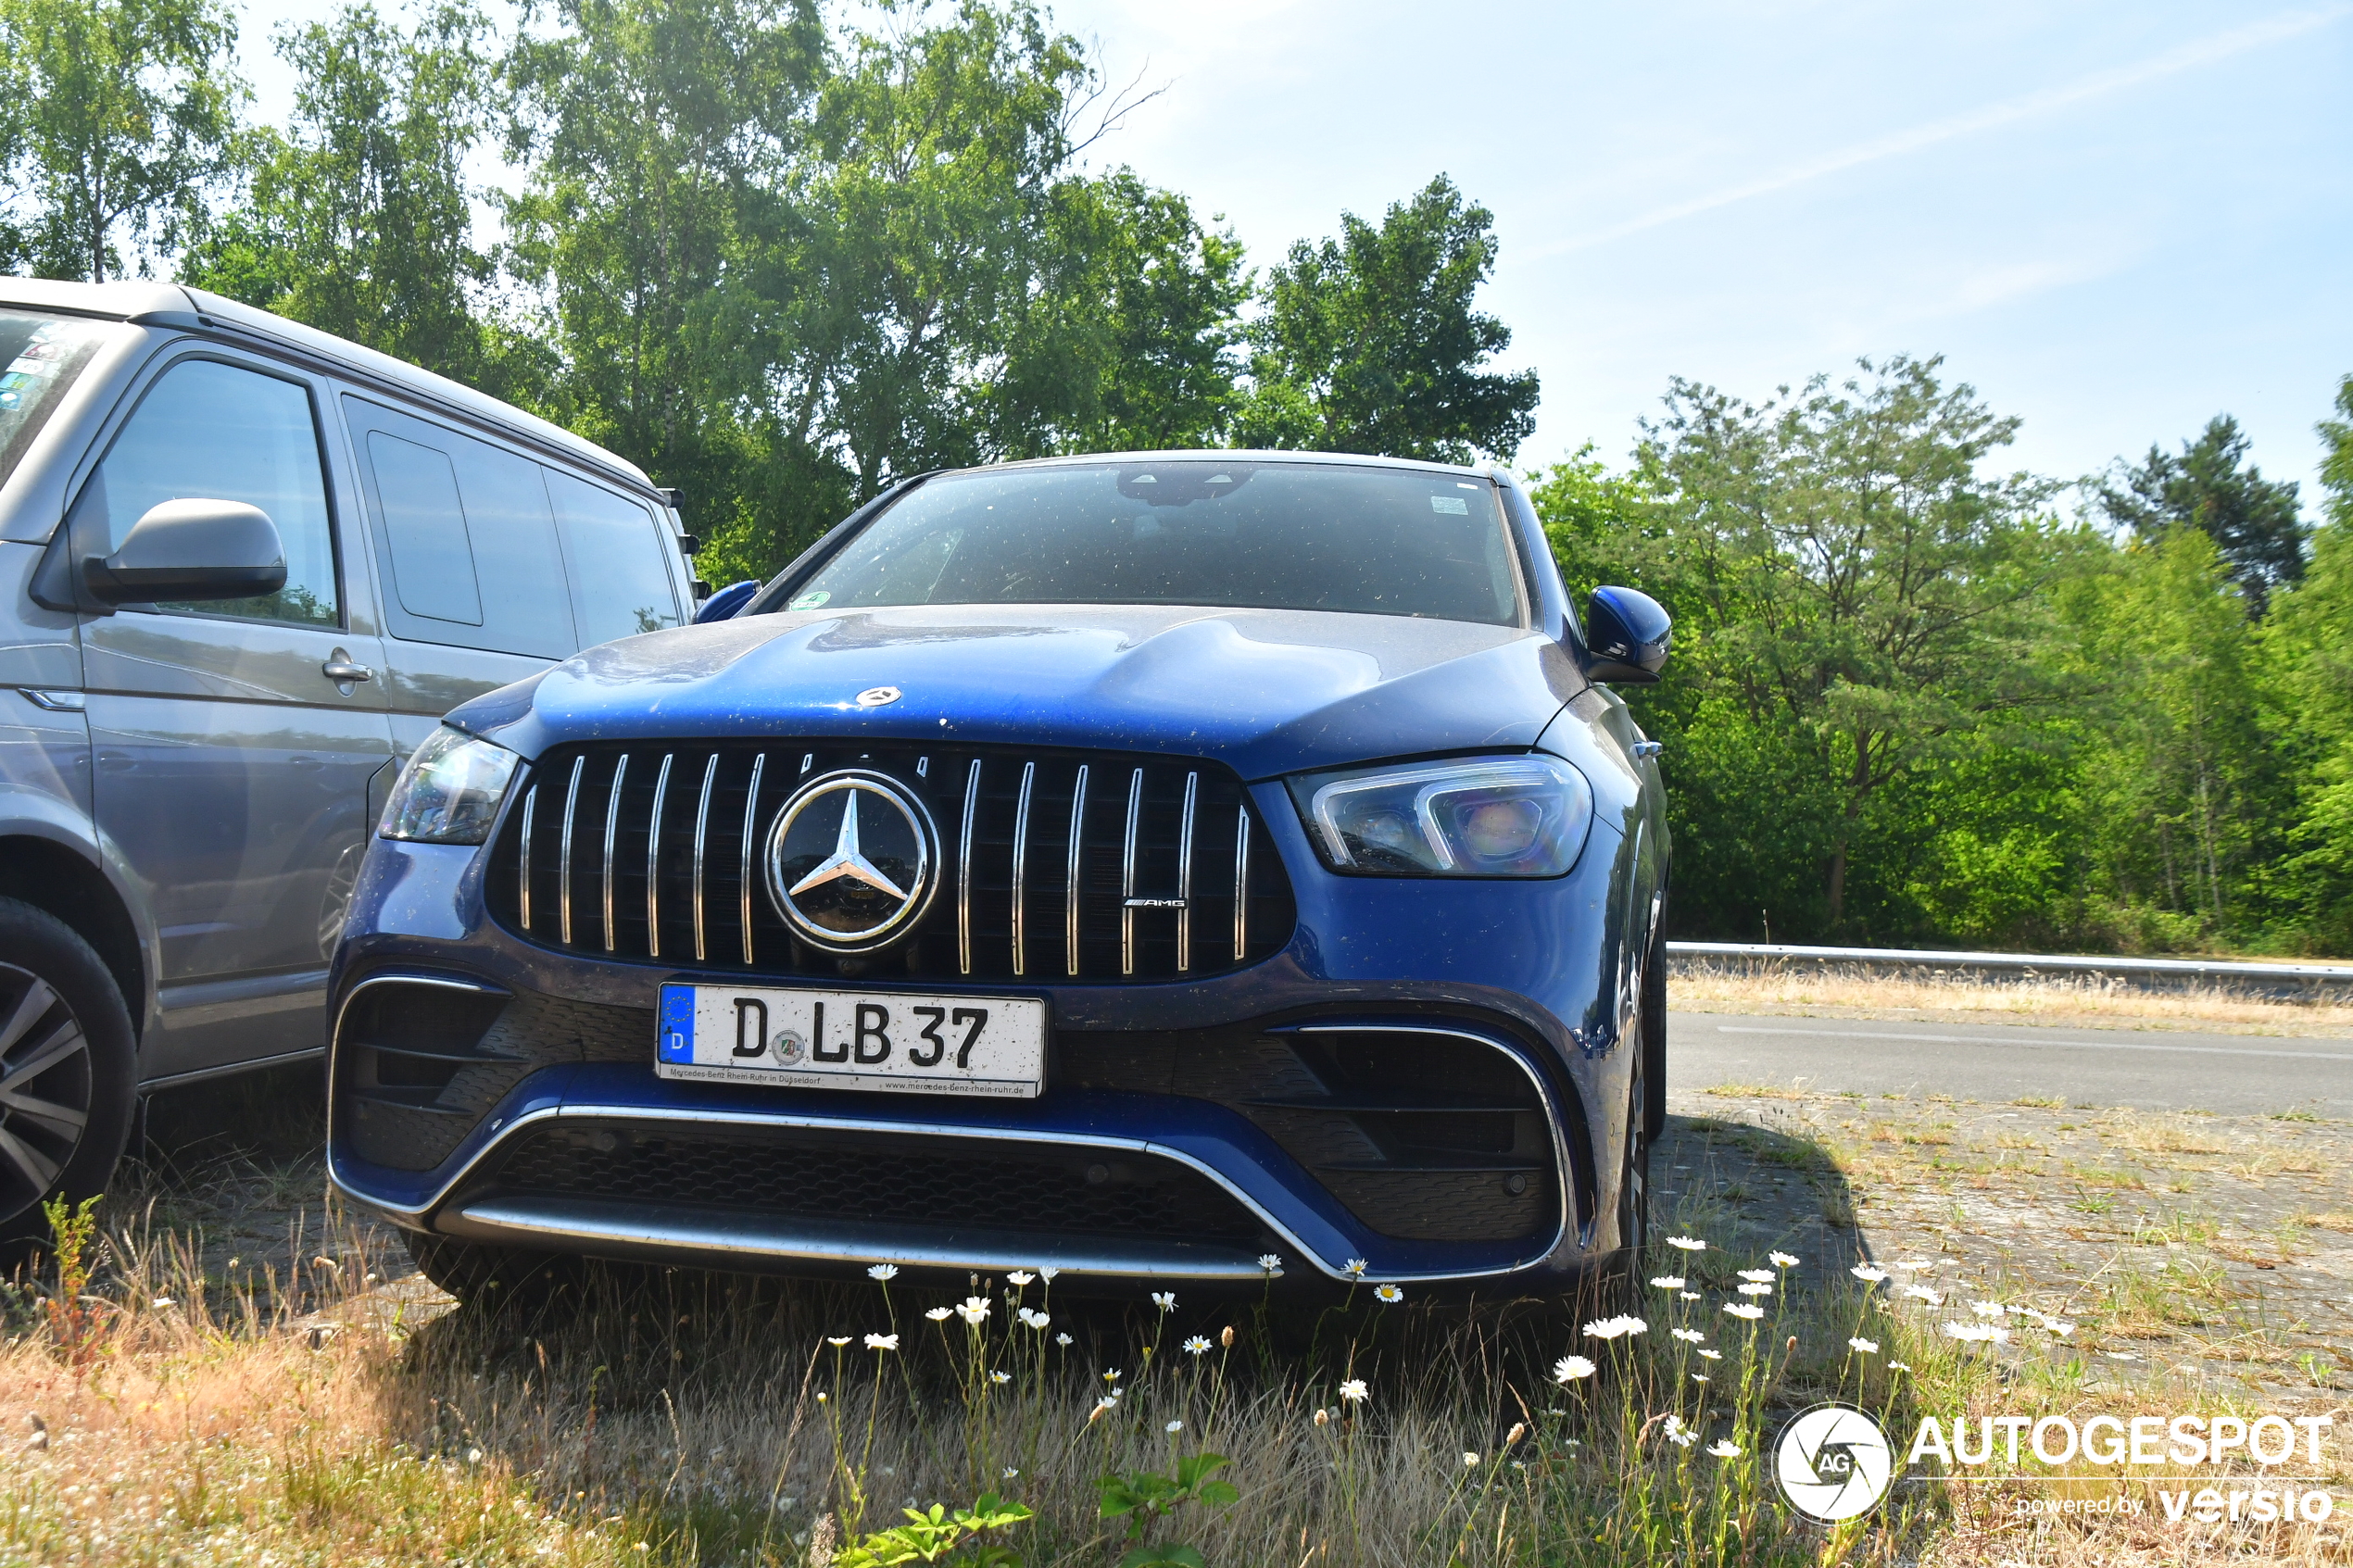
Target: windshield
1254,535
42,355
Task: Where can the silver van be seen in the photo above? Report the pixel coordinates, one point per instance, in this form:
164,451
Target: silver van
244,567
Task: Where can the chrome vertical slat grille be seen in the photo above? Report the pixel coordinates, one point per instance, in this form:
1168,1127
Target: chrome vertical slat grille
571,800
1132,852
653,857
751,835
702,834
522,879
1021,869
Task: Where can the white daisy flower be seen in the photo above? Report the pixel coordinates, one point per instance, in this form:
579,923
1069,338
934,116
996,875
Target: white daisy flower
1757,1288
1922,1293
1164,1299
1047,1273
1270,1262
1869,1347
1897,1366
1389,1293
1687,1243
1981,1332
1355,1391
1568,1369
1689,1335
1613,1328
1020,1277
1748,1309
1782,1260
1065,1340
882,1271
1669,1281
1354,1268
837,1341
1986,1308
882,1342
1867,1274
1688,1296
1711,1355
1174,1427
1197,1345
1724,1448
974,1309
1756,1274
1000,1378
940,1315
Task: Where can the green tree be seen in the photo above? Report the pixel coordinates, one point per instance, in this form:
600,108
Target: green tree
2253,521
1368,343
658,230
124,111
1855,597
358,220
2307,642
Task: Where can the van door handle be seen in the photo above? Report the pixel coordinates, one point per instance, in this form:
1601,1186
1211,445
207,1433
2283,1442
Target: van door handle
341,671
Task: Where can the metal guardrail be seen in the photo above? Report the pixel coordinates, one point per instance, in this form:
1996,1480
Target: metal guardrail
2298,979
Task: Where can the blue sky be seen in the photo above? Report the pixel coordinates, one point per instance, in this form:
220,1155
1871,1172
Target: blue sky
2114,219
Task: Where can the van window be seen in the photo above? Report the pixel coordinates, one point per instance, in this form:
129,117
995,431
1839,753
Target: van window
43,355
467,536
214,432
621,583
433,561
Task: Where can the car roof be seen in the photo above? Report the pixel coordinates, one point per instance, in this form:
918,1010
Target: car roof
174,305
1253,455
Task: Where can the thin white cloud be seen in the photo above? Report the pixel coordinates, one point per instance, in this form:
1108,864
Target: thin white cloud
2187,57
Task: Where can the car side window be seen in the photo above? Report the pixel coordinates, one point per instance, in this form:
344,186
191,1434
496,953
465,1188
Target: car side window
466,535
432,560
218,432
621,583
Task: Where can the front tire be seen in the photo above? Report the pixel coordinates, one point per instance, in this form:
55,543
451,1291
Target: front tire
68,1070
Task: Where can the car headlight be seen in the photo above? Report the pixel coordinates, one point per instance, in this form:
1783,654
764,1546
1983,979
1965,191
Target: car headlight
1480,816
449,791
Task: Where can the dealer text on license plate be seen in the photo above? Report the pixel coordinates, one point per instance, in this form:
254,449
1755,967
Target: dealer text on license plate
853,1040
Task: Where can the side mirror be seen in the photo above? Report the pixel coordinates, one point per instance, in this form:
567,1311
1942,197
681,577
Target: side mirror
1627,636
191,549
723,604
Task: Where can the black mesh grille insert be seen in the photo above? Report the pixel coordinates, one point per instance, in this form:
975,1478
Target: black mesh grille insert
945,1183
1424,1137
1202,890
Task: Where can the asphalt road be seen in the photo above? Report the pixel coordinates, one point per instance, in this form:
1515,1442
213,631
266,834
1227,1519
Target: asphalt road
2150,1070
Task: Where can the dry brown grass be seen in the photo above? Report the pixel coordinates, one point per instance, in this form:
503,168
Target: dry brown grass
2087,1002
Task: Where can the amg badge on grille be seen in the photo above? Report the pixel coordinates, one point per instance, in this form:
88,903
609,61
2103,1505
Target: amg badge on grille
852,861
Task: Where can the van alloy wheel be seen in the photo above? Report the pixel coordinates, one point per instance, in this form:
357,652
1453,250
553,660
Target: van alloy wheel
45,1088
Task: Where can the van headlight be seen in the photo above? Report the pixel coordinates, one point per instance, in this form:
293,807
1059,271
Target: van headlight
1474,816
449,791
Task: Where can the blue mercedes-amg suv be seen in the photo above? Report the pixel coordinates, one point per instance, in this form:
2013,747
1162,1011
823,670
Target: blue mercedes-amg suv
1170,865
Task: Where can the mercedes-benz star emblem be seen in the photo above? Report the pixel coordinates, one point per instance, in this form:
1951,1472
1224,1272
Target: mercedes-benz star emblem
878,697
850,860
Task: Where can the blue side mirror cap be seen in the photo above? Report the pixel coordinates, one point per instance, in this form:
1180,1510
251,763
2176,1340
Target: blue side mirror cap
1627,636
723,605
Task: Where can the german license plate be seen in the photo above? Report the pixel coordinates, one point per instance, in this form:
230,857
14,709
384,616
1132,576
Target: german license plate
853,1040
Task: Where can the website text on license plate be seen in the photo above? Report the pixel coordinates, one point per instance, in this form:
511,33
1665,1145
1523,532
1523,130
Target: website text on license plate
895,1041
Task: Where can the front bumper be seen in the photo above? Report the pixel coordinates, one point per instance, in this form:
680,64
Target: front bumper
553,1130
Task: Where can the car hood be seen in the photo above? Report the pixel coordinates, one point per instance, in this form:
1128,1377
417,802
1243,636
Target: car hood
1265,692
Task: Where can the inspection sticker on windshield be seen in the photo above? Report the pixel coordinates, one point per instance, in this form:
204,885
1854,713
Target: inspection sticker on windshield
892,1041
1453,505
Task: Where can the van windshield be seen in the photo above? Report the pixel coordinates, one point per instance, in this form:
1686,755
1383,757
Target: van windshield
1212,532
43,355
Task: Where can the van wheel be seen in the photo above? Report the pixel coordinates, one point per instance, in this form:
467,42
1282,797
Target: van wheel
67,1069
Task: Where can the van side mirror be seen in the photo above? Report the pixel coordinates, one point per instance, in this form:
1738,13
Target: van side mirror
191,549
1627,636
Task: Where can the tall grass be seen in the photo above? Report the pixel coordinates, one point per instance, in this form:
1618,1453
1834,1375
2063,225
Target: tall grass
288,1410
